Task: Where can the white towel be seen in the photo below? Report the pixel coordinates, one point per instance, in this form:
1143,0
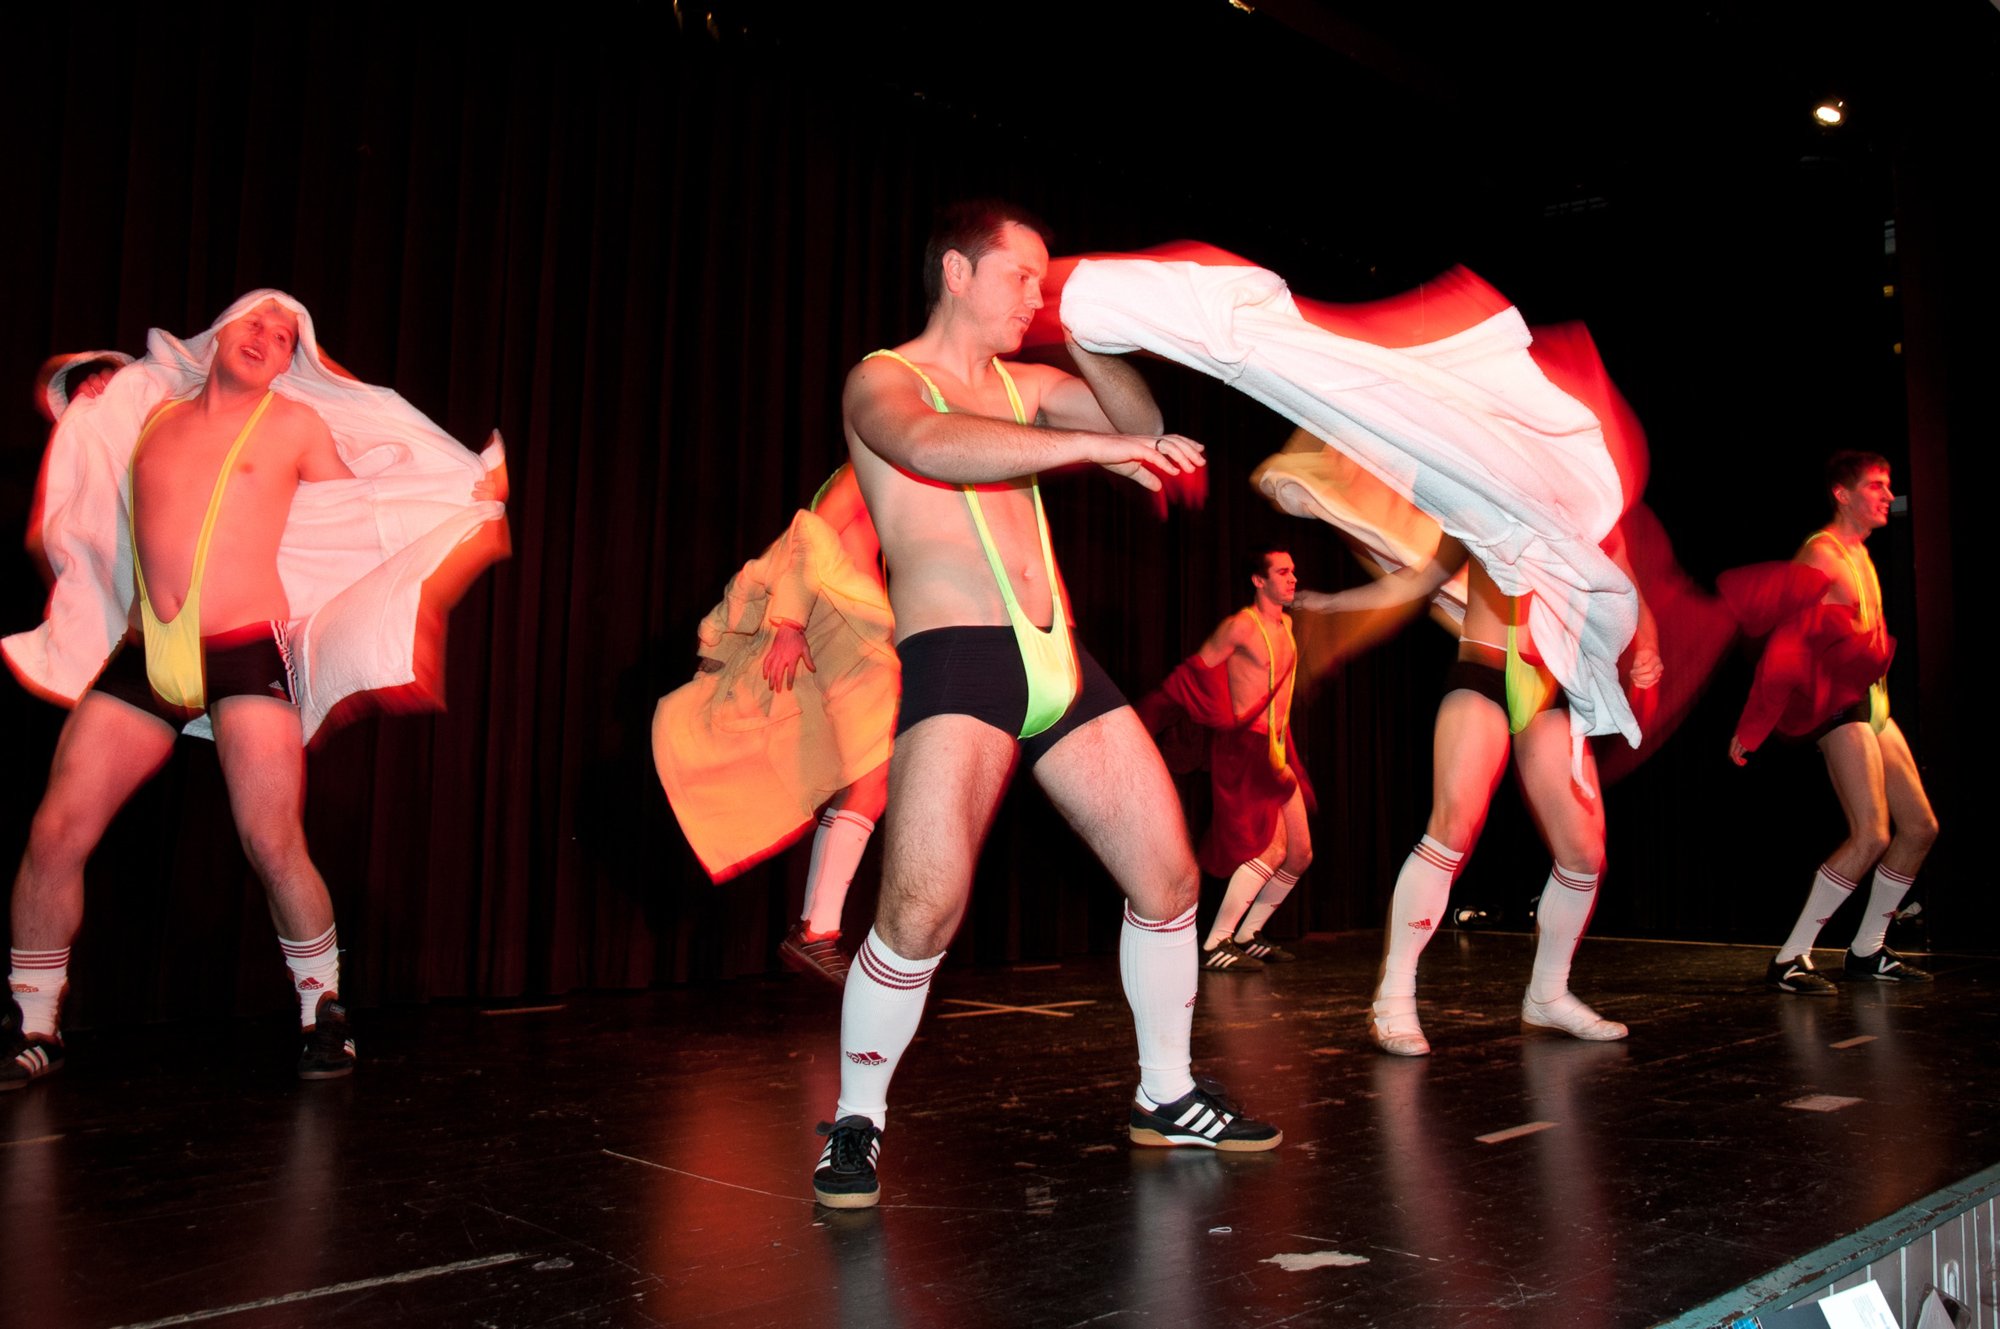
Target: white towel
1467,428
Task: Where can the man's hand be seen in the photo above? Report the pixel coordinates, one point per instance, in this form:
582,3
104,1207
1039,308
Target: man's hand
491,486
1647,667
788,651
1738,753
92,386
1140,459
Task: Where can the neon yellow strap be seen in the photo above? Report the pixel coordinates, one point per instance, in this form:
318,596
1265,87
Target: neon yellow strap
1274,723
174,662
1529,686
1048,657
1868,596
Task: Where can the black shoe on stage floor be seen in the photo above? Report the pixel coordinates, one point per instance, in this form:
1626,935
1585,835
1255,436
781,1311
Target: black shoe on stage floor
820,959
329,1050
845,1178
1798,975
1203,1117
1884,966
1226,957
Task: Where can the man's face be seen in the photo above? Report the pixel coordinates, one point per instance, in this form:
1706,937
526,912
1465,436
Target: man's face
1280,582
1866,503
258,346
1004,289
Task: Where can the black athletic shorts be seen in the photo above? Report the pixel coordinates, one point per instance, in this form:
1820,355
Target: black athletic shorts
1861,712
1491,683
242,662
977,671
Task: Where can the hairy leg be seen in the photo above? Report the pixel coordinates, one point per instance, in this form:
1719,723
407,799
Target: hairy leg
107,750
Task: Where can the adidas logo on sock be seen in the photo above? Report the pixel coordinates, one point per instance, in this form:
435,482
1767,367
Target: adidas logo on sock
1423,925
867,1058
310,985
25,987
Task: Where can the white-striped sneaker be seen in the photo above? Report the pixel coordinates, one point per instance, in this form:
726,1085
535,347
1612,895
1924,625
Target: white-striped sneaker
1205,1117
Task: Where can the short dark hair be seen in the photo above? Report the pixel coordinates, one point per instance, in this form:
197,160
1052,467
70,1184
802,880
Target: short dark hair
1257,563
1845,469
972,227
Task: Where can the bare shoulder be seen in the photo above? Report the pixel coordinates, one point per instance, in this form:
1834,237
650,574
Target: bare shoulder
1820,553
296,419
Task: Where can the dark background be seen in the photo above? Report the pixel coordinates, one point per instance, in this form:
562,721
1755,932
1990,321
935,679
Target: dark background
647,241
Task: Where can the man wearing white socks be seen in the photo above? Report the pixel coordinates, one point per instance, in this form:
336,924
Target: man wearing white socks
1867,757
1239,686
947,440
123,728
1499,696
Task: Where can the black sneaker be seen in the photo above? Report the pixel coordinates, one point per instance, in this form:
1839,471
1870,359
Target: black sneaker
24,1058
1226,957
329,1049
821,959
1204,1117
845,1178
1884,966
1270,952
1798,975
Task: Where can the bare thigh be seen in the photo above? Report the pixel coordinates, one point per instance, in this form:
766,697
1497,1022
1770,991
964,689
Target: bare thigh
1909,805
1854,763
263,764
108,748
1108,781
1571,823
1291,844
945,782
1469,754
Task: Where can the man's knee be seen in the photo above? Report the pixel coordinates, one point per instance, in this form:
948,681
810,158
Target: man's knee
62,834
1173,893
1870,837
275,848
1920,831
1298,856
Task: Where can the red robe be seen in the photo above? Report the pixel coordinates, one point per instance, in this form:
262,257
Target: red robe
1250,796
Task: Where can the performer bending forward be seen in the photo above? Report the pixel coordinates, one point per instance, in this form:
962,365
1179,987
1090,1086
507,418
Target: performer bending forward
946,441
1498,695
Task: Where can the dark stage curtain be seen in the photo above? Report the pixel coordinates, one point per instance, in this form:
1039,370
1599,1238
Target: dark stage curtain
648,257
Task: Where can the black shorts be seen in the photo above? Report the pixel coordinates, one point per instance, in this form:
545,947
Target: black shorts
977,671
1491,683
249,661
1861,712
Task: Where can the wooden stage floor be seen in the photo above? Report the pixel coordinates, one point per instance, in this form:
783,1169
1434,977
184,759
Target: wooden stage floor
645,1159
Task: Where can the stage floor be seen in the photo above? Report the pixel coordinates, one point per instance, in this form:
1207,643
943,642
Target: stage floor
645,1159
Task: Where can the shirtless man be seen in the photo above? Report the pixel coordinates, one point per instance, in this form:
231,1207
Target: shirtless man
1498,694
205,545
1867,757
947,441
1259,838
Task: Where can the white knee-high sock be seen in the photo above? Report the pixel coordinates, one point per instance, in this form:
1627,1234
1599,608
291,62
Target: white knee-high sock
1560,920
1885,897
879,1011
1422,888
838,844
315,967
1244,883
1267,902
1829,889
1161,973
38,979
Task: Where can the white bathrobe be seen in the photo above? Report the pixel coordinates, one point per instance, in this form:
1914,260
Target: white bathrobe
1466,427
354,554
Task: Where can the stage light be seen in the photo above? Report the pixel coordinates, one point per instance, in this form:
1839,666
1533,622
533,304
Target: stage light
1830,113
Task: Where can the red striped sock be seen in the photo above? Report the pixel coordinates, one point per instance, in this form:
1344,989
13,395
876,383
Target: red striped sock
315,967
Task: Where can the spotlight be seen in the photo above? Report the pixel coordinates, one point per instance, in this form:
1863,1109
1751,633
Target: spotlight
1830,113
